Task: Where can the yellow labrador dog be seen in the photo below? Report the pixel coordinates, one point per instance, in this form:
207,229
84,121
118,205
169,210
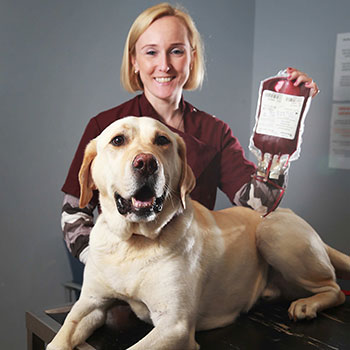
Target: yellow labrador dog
180,266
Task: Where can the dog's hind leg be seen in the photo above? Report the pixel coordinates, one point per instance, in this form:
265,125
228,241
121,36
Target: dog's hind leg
307,308
295,250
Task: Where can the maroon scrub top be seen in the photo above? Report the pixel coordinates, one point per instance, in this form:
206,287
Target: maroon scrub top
214,154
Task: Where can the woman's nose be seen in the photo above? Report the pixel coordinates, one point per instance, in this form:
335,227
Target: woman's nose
164,64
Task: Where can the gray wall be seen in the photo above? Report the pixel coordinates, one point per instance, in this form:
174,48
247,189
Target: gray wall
60,66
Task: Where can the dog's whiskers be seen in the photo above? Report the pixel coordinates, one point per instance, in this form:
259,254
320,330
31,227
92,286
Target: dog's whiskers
171,194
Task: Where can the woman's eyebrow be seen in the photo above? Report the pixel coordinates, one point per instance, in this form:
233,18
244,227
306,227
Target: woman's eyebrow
156,45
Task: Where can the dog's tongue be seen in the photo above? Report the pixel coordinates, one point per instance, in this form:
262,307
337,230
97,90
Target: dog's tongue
144,198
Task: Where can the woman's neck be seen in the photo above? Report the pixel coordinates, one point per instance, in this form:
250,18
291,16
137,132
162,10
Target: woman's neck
169,111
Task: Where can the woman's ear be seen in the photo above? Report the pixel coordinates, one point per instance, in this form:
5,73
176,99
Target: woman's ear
135,64
187,179
85,179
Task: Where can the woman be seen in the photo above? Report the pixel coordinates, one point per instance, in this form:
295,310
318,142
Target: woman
164,55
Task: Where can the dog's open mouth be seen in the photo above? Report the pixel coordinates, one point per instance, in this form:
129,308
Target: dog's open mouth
142,203
144,198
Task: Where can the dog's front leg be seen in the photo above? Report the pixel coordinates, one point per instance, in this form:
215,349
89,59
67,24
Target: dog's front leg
169,334
87,314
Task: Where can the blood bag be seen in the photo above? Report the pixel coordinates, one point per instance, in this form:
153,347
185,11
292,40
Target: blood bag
279,124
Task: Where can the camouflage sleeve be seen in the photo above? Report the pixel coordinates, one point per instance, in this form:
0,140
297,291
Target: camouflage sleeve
76,224
261,195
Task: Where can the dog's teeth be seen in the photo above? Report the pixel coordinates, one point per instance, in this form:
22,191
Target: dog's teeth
142,204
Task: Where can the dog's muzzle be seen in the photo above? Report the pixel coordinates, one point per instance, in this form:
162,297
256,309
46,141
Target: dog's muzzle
144,202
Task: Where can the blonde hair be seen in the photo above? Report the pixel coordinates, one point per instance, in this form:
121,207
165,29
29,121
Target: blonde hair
131,81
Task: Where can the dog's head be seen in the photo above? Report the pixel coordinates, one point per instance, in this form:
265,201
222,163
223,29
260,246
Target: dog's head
139,167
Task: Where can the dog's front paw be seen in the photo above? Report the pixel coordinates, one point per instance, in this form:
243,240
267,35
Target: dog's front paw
52,346
302,309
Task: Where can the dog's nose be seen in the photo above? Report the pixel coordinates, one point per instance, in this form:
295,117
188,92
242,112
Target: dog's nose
145,164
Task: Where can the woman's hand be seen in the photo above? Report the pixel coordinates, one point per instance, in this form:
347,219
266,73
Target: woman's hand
300,77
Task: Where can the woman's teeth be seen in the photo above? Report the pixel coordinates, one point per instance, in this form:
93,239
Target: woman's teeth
163,80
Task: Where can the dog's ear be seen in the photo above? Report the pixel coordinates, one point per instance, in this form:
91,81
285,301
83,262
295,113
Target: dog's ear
187,179
85,179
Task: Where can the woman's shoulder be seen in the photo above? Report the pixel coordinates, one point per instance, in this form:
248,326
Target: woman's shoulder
205,117
206,125
107,117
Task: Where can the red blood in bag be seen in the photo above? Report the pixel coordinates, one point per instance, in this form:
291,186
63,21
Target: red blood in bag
287,87
279,145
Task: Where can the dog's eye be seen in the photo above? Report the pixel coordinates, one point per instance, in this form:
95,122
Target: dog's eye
161,140
118,140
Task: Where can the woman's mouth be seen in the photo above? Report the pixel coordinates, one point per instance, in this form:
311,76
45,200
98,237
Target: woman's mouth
163,80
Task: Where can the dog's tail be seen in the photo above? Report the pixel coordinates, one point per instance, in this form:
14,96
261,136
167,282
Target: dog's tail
340,261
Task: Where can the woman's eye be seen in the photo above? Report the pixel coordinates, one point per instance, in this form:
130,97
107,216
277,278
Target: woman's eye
177,51
118,140
151,52
162,140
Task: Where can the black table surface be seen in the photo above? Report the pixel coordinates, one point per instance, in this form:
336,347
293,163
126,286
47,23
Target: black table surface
266,326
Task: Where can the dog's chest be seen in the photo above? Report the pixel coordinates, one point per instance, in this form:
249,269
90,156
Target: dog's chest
125,271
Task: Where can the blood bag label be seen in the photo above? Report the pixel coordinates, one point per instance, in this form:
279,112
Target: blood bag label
279,114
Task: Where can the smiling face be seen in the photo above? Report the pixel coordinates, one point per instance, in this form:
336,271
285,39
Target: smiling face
163,57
